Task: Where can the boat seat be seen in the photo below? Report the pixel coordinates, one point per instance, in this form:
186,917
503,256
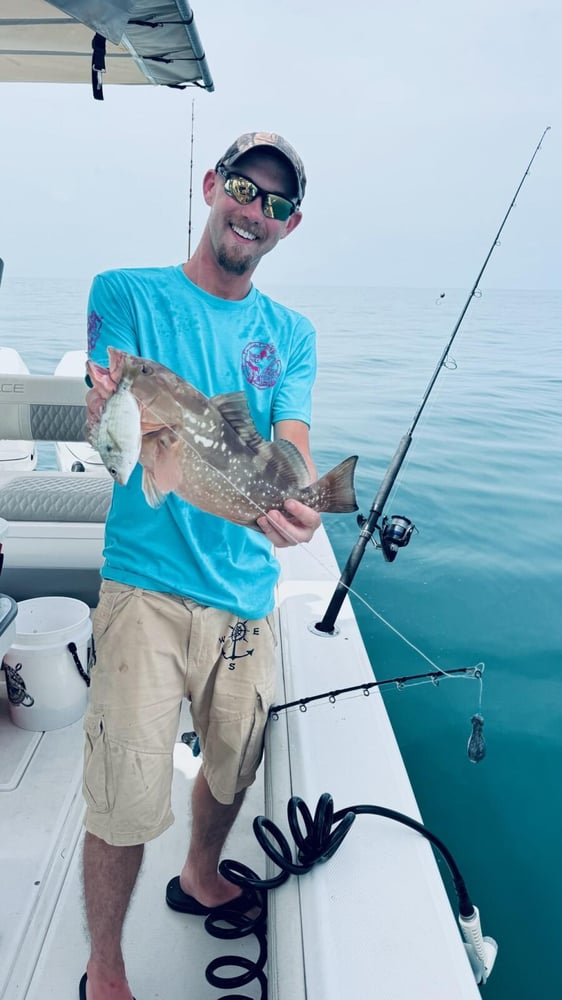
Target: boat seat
52,497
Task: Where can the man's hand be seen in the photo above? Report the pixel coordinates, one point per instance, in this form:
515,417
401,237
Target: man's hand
298,526
96,398
95,403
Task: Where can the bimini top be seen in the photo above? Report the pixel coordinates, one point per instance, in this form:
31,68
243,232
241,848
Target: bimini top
118,41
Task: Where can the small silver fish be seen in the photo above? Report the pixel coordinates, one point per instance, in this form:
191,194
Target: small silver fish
209,452
117,436
476,748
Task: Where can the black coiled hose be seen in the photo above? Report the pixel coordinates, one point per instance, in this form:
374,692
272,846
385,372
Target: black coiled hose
230,925
317,838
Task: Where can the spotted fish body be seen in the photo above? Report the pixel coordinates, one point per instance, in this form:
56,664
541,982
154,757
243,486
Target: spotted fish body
209,452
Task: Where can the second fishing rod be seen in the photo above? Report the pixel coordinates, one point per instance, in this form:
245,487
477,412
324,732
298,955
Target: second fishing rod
395,532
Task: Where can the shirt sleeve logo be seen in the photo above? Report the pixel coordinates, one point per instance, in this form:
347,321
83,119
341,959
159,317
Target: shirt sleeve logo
261,364
94,330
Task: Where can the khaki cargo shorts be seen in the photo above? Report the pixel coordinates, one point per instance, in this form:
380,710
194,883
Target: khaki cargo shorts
152,650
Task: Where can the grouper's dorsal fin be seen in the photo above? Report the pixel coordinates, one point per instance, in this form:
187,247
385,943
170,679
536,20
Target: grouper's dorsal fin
233,407
283,458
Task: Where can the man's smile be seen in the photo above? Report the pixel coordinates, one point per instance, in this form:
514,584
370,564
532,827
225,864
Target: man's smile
243,233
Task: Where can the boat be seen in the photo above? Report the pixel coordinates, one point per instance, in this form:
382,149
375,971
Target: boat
369,913
77,456
71,456
17,455
129,42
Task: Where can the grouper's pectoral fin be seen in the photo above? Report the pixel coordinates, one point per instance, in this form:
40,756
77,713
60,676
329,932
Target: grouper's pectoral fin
161,459
153,495
151,426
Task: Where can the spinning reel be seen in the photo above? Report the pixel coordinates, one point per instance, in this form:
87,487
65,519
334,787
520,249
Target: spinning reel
394,533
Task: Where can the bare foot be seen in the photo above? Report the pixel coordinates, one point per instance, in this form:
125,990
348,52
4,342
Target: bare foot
221,892
102,986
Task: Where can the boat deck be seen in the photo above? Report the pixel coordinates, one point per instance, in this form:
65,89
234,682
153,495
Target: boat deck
44,946
376,913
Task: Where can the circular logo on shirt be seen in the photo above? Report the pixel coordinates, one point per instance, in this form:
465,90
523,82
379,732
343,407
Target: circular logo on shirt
261,364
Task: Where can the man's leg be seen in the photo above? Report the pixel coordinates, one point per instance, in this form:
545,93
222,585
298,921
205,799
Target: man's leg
110,874
136,689
211,824
230,697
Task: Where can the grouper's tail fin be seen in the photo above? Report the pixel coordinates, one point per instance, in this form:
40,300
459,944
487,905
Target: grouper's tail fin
334,493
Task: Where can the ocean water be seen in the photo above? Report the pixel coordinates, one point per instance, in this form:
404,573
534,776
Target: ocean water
481,580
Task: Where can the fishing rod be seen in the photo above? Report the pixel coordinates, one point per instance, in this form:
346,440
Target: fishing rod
190,181
395,532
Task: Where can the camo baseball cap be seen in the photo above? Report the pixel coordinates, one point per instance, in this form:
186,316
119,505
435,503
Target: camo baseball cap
253,140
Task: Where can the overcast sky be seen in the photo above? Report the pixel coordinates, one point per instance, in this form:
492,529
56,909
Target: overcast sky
415,120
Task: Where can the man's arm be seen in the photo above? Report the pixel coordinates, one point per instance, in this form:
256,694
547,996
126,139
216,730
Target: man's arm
297,432
304,521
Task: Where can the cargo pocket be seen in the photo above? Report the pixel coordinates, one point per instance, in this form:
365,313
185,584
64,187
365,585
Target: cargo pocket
98,776
253,751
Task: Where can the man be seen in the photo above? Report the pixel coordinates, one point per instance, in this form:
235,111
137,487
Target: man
177,583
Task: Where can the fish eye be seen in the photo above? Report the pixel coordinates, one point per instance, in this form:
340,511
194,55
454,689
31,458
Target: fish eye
113,472
146,370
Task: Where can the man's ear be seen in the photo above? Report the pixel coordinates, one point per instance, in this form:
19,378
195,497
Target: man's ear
292,223
209,186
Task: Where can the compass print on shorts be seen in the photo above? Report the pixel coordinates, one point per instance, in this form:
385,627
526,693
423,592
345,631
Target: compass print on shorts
234,645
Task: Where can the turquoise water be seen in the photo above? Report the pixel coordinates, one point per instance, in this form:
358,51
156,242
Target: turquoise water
480,581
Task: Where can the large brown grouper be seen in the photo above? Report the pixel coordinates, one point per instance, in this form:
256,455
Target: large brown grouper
207,451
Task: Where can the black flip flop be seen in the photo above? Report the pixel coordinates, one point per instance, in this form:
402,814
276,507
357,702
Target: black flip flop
182,902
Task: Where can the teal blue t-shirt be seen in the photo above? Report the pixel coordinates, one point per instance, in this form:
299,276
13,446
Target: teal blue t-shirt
255,345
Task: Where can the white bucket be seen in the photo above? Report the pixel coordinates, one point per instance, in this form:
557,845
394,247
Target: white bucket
45,688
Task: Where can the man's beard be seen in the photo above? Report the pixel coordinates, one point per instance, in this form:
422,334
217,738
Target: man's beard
233,263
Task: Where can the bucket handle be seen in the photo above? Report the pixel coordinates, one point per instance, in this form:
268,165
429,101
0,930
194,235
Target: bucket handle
73,650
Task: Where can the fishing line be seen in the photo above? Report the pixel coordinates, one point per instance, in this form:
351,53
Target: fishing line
451,365
402,475
476,747
395,532
181,433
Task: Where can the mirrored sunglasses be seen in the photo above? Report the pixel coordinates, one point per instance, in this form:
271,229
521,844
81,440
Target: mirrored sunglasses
244,191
